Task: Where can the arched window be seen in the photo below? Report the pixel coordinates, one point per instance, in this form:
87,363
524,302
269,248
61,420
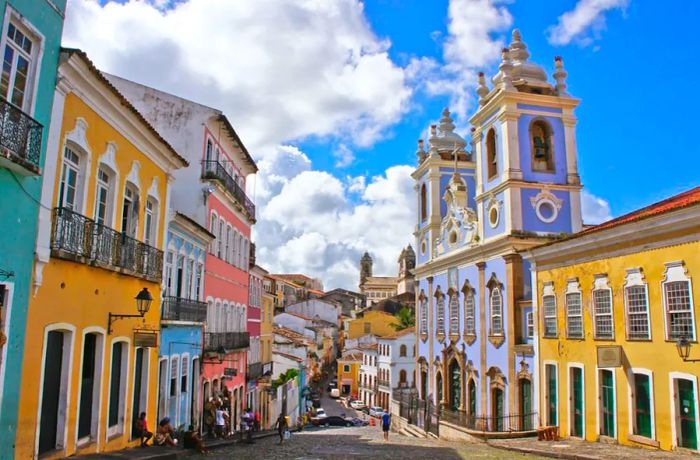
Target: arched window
469,311
402,350
491,157
440,311
130,210
229,244
454,313
221,236
541,146
423,203
402,376
496,311
104,195
423,313
209,151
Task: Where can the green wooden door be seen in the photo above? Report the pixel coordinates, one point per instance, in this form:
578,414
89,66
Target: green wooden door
525,405
686,404
438,383
497,409
577,390
455,386
642,405
552,395
607,404
472,397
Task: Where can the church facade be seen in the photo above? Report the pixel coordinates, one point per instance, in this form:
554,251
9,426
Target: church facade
515,187
379,288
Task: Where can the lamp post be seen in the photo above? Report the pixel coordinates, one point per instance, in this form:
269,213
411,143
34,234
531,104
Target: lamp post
683,347
143,304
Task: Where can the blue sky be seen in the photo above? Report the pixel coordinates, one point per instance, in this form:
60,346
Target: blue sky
330,98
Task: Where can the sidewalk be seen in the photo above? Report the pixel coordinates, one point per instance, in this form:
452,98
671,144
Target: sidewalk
172,453
574,449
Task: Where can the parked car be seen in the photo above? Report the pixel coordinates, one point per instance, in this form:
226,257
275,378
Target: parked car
376,411
334,420
359,422
332,385
320,413
335,393
316,403
357,404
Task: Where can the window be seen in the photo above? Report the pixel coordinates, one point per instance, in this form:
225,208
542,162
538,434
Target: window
16,82
367,328
574,315
454,313
149,232
549,309
440,307
208,151
550,371
169,273
130,210
402,350
183,374
636,305
220,236
491,158
496,308
642,405
67,195
173,376
212,230
469,321
346,368
678,303
423,203
189,278
541,146
602,309
102,198
117,388
229,239
529,325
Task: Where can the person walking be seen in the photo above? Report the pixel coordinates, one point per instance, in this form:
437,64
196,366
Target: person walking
282,427
386,424
220,420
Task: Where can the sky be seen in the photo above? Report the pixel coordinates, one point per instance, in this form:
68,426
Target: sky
330,97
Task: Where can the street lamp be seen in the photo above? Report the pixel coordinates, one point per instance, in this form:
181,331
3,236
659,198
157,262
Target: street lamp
683,346
143,304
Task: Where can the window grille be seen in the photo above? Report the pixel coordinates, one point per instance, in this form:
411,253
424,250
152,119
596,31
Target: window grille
496,312
549,308
574,315
602,307
679,310
637,312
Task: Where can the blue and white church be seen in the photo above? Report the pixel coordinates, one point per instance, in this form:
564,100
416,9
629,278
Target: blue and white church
514,187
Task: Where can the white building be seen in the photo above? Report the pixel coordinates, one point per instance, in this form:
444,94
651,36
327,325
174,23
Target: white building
396,363
317,309
368,374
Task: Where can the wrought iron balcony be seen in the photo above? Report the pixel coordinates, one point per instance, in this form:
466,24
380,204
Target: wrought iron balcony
212,169
20,139
254,371
216,341
81,239
179,309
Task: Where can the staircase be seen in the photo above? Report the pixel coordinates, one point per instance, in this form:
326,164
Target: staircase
413,431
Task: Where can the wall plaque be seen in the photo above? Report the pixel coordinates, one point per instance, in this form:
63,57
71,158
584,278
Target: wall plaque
610,356
146,339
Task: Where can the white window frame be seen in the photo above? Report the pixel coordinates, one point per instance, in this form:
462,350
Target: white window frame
135,201
672,377
454,313
493,314
632,401
440,313
570,397
547,318
220,239
530,325
677,272
213,222
423,314
573,288
599,399
150,229
469,312
78,169
108,188
601,284
635,279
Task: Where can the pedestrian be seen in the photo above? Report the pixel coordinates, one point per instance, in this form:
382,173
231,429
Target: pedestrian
220,422
282,427
247,421
165,434
386,424
258,418
141,429
192,440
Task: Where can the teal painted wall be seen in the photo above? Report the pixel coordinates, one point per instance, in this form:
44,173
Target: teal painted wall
19,198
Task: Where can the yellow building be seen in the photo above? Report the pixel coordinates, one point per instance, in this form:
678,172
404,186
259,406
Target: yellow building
349,373
613,303
372,322
87,374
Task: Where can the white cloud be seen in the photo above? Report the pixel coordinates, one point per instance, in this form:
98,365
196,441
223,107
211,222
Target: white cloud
280,69
587,14
343,155
594,209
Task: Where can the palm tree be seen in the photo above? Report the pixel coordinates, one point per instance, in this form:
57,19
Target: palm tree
405,319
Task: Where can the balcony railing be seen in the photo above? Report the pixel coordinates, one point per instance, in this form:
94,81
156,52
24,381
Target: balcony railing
20,137
212,169
178,309
81,239
254,371
215,341
383,383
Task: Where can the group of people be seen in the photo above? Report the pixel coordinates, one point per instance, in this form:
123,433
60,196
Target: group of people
165,434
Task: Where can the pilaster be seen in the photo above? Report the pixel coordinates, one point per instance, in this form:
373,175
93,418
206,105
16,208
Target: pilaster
513,288
431,340
510,146
482,332
572,176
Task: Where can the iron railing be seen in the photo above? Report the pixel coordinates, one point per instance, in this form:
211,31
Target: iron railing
253,371
383,383
216,341
179,309
212,169
492,424
20,136
81,239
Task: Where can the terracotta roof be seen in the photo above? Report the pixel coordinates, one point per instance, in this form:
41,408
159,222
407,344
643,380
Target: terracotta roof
316,291
285,331
368,346
352,356
673,203
287,355
394,335
96,72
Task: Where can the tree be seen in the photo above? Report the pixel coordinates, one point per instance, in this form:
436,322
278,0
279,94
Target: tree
405,319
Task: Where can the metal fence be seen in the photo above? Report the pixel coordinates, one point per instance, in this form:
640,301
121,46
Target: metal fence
80,238
179,309
216,341
20,134
212,169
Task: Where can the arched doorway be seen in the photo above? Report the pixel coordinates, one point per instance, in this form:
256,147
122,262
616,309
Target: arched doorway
497,409
471,392
455,385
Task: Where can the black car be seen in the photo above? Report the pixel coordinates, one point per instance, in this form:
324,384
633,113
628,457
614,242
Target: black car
334,420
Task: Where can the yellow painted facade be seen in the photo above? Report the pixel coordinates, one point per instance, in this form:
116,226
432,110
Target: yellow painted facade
372,322
76,296
349,373
628,260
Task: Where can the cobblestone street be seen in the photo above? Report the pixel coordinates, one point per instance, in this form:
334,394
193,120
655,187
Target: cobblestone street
364,442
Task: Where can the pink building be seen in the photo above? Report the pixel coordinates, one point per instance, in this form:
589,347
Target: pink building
211,191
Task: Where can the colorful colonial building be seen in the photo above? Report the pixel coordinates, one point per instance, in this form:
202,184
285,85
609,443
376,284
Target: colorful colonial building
615,304
93,319
517,188
30,39
212,192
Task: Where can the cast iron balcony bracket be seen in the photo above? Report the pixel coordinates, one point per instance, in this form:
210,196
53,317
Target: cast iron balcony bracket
113,317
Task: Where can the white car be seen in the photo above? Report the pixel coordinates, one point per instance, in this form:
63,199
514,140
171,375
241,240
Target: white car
357,404
376,411
320,413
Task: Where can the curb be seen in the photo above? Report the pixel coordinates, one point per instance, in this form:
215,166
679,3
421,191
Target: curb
545,453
